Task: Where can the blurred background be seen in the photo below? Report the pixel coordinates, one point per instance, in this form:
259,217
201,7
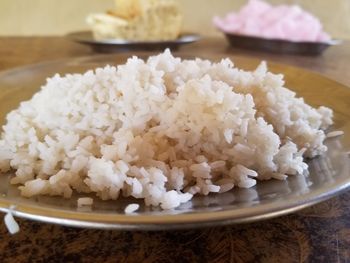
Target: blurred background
52,17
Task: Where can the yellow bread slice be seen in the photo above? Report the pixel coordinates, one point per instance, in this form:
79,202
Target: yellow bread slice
141,20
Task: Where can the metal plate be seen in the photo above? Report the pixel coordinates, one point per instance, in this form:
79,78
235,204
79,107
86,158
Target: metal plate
115,45
329,174
278,45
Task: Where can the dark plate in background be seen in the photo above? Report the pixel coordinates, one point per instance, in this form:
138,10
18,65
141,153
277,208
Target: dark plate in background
278,45
116,45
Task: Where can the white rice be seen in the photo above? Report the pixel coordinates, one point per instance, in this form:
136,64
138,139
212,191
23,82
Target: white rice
85,201
131,208
161,130
10,222
333,134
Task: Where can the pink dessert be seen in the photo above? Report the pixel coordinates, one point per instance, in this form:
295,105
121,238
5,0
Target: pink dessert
260,19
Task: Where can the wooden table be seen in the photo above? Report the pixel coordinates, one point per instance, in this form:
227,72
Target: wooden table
317,234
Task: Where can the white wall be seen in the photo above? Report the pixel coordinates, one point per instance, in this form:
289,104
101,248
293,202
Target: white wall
57,17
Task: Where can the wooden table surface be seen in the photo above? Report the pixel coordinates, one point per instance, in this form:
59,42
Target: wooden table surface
320,233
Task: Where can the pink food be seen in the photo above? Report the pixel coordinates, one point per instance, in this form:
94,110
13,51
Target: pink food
260,19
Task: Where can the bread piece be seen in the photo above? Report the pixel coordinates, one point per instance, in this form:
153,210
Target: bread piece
128,9
138,20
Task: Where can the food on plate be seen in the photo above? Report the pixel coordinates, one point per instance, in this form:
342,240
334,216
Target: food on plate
85,201
138,20
260,19
131,208
162,129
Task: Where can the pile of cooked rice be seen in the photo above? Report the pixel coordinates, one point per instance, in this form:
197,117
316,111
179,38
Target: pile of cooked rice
162,130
